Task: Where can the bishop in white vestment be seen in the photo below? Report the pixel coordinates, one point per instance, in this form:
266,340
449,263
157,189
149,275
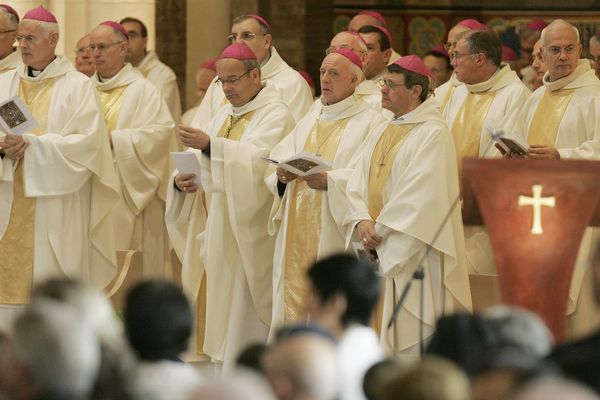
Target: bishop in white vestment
400,194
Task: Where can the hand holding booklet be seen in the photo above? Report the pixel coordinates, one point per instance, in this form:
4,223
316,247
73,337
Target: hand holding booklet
302,164
187,163
15,117
507,145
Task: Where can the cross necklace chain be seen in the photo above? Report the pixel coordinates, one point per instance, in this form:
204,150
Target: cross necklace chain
231,124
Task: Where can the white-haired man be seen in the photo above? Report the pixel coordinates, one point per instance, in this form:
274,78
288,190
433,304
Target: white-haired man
57,182
561,120
309,211
141,134
9,20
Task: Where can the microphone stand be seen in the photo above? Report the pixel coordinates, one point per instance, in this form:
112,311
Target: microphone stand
419,273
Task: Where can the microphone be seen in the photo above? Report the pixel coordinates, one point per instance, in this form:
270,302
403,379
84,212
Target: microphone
419,273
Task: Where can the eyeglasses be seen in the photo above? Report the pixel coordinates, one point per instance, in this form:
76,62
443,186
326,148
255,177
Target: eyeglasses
103,47
7,31
390,84
30,39
244,36
457,56
555,50
83,50
448,46
331,49
232,81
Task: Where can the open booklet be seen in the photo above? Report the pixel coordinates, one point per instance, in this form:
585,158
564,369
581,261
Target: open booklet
15,117
507,145
302,164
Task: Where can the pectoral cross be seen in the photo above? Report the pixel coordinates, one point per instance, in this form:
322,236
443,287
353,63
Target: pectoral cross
537,201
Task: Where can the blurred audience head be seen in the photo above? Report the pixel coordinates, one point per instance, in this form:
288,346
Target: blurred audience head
54,354
520,329
430,379
376,377
554,388
158,320
302,366
345,291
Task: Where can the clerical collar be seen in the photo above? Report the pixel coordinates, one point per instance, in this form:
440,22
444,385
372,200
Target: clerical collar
330,112
485,85
34,73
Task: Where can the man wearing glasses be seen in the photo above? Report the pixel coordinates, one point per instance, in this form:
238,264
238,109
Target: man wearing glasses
309,211
255,32
151,67
9,20
561,120
235,247
83,57
406,161
489,100
444,92
57,181
140,129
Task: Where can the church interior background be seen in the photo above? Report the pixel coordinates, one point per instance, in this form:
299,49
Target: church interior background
186,32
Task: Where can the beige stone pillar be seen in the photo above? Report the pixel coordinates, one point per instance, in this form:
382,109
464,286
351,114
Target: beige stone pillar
208,24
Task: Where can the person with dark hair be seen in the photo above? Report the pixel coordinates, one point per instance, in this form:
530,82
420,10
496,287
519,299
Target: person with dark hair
437,60
372,18
9,21
150,66
158,324
379,50
399,195
345,291
489,100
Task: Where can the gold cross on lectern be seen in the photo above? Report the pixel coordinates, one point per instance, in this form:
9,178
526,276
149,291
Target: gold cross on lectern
537,201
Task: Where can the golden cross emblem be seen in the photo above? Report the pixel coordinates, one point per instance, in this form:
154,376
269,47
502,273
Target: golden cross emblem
537,201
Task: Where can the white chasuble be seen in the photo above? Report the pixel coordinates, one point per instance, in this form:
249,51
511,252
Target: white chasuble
67,173
342,129
418,193
141,130
164,79
235,247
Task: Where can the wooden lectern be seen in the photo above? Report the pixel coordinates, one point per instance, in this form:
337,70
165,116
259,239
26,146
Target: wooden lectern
535,213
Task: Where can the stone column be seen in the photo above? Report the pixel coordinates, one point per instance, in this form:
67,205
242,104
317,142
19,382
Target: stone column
206,37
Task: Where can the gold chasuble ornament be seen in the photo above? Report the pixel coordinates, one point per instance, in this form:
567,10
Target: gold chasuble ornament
549,113
17,244
447,98
466,129
304,222
111,101
382,161
233,128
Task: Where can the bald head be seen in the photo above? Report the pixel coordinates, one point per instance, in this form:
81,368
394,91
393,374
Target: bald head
361,20
353,42
83,56
302,366
453,35
561,49
339,78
